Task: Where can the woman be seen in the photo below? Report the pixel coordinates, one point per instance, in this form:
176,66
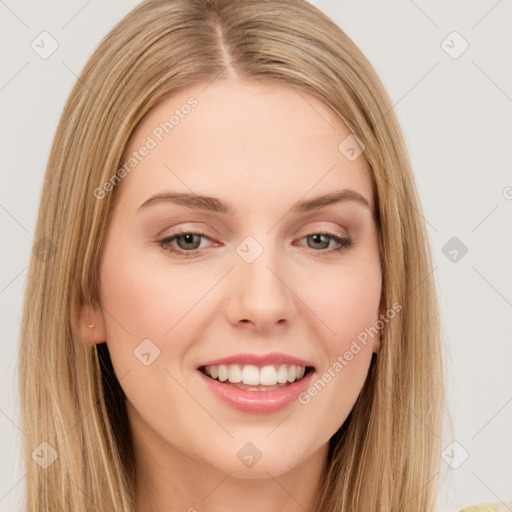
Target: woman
290,357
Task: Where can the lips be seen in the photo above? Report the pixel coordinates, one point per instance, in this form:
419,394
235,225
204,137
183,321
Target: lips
257,369
257,383
259,360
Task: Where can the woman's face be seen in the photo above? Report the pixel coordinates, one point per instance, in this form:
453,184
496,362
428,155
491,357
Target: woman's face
265,284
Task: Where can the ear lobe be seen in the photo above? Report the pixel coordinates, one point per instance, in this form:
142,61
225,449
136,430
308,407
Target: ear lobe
376,344
91,325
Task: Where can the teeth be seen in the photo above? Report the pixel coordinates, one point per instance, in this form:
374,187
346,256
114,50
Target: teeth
268,376
234,374
253,376
282,374
223,372
250,375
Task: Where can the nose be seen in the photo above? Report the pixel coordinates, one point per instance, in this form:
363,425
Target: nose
261,294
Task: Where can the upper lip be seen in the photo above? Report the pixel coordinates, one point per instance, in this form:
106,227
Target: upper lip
258,360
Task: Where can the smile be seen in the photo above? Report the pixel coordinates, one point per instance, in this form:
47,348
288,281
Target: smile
254,378
257,383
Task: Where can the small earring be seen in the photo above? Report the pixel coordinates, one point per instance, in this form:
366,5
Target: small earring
90,325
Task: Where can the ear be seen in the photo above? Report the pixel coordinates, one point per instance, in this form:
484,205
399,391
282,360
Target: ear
91,323
376,343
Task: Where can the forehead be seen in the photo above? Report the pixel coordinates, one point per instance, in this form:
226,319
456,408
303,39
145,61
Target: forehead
241,139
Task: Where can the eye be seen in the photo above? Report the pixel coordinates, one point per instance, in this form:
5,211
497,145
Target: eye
322,241
189,243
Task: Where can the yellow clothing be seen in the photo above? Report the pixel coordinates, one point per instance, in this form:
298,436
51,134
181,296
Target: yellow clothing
486,507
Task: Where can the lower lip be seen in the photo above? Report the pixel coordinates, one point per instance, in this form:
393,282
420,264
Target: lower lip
258,402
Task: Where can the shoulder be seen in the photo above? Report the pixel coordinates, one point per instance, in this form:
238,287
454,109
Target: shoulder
484,507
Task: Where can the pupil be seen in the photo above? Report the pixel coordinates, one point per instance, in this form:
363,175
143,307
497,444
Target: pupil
316,239
188,238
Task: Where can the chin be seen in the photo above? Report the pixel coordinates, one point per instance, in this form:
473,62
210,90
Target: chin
250,462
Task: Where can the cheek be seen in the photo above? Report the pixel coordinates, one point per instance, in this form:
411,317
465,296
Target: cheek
145,300
146,326
345,301
133,304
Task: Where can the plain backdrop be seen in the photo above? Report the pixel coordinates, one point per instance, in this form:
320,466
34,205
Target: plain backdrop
447,68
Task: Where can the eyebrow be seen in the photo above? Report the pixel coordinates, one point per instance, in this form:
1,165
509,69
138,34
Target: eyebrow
216,205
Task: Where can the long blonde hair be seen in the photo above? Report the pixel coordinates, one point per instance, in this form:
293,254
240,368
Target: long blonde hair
386,455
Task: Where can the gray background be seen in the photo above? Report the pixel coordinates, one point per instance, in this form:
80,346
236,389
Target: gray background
456,113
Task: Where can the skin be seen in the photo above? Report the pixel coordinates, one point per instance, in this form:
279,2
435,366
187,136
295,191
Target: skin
261,147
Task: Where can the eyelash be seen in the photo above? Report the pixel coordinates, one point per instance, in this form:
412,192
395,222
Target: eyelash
344,243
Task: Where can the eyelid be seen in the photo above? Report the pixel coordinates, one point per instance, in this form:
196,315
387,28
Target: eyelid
343,243
182,232
338,231
186,227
